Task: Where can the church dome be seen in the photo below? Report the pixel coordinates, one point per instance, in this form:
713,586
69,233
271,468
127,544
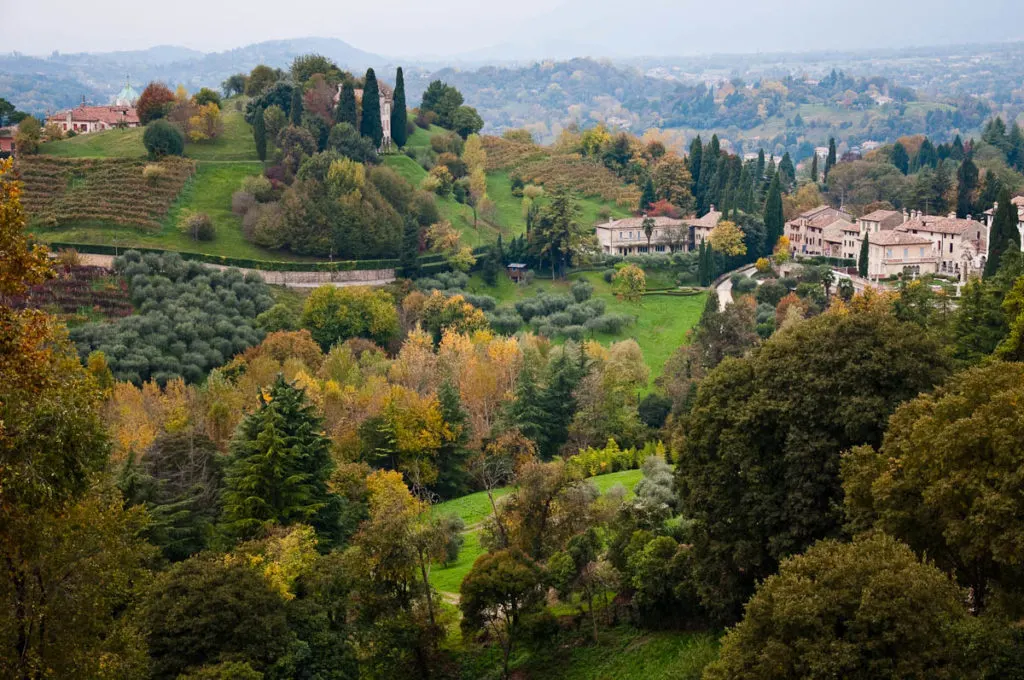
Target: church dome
127,96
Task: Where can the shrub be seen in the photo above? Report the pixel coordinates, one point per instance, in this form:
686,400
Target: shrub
484,302
280,317
609,323
744,285
582,290
163,139
198,226
259,186
264,225
608,275
505,321
153,173
242,202
448,142
592,461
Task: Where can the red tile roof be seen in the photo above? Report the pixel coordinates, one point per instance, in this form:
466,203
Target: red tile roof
111,115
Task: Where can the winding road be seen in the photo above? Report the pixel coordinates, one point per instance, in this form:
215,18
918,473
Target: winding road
724,289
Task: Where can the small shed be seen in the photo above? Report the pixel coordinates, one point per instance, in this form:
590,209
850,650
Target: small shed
517,271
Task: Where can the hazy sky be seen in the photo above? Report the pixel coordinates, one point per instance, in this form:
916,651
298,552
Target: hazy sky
397,27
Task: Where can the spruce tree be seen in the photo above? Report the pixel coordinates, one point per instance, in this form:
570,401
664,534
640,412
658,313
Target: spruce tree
648,196
399,114
279,467
526,413
345,112
409,258
295,110
830,159
1003,235
814,168
774,222
452,477
370,125
259,133
862,261
957,151
558,399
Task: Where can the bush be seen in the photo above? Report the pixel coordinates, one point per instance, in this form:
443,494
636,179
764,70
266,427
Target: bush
582,290
163,139
592,462
198,226
608,275
242,202
609,323
744,285
278,318
505,321
484,302
259,186
770,292
448,142
153,173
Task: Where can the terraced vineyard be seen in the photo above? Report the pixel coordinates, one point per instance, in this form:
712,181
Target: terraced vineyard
79,294
62,191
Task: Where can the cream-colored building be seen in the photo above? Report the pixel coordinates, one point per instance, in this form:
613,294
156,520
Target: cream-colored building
842,239
892,252
959,244
806,233
387,101
1018,202
668,235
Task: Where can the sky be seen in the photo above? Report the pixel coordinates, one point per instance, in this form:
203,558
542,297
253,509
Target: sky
449,28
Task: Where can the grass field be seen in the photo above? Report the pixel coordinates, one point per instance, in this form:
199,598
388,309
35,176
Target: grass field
662,321
475,508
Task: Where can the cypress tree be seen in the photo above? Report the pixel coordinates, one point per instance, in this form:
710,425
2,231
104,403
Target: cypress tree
967,182
787,170
1003,235
295,111
862,261
696,154
452,478
259,133
399,114
279,467
830,160
814,168
370,125
759,170
648,196
900,158
345,112
409,258
774,221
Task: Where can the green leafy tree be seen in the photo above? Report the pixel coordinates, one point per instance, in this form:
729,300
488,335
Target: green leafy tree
501,590
774,221
930,485
1003,236
466,121
759,459
259,133
261,79
370,124
234,85
334,315
163,139
345,112
862,261
279,467
867,609
559,235
399,112
814,168
295,107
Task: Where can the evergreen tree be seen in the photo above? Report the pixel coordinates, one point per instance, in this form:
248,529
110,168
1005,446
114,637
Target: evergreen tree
1003,235
409,259
295,110
862,261
648,196
957,152
259,133
279,466
759,169
788,171
345,112
830,159
399,114
774,222
967,182
558,399
814,168
989,194
900,158
452,478
369,125
526,412
696,154
491,266
1015,155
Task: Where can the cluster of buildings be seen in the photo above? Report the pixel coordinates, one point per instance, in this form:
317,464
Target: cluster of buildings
668,235
898,242
84,119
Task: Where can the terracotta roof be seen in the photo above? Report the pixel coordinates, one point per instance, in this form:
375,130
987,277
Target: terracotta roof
845,225
1018,201
897,238
832,234
111,115
940,225
637,223
709,221
813,211
879,215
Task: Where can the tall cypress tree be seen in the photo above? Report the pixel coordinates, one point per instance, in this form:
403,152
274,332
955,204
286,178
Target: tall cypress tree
862,261
900,158
774,221
696,154
279,467
787,170
814,168
452,478
345,112
295,110
967,182
409,258
830,159
399,114
259,133
1003,235
370,125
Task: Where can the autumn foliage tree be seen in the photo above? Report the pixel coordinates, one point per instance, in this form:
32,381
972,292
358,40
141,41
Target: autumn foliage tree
154,102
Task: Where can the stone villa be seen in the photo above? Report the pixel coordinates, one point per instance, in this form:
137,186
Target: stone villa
387,101
627,237
84,119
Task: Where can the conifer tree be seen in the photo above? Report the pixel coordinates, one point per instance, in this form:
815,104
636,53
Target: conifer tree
900,158
399,114
345,112
759,169
967,182
452,477
259,133
295,111
648,196
814,168
774,221
696,154
957,151
830,160
409,258
862,261
526,411
1003,235
279,466
370,125
558,399
787,170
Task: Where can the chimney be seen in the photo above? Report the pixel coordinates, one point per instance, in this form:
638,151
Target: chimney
952,216
969,216
712,208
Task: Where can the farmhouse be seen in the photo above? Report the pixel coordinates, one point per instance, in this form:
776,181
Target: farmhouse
7,141
806,232
85,119
668,235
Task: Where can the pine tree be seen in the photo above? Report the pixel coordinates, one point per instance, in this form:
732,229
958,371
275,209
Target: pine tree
1003,235
774,221
967,182
957,151
295,111
900,158
648,196
409,258
399,114
830,159
370,125
345,112
526,411
452,477
559,401
862,261
279,467
814,168
259,133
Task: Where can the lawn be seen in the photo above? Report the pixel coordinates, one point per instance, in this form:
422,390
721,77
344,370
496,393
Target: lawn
421,137
475,508
662,321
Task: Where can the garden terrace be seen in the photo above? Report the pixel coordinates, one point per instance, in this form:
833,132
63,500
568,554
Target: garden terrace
81,294
60,191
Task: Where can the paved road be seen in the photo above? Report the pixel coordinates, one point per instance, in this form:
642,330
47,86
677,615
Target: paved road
724,289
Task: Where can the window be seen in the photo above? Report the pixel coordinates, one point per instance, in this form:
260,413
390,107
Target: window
922,252
950,246
906,253
620,235
888,252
